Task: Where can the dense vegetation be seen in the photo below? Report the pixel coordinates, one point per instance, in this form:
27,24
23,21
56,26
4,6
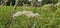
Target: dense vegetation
29,2
49,18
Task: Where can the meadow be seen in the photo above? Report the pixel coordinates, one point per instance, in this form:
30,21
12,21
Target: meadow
49,18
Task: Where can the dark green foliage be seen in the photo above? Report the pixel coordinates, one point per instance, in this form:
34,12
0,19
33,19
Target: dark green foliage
29,2
49,1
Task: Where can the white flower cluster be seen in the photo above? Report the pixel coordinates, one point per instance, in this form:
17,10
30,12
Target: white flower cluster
17,14
58,4
33,15
27,13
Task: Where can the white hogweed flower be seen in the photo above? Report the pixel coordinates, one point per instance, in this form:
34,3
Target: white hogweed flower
17,14
33,15
27,13
58,4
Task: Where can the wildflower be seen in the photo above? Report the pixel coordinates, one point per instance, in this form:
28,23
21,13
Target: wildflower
27,13
58,4
33,15
17,14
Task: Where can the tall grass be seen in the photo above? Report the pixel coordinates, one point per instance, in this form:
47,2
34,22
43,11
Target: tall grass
49,18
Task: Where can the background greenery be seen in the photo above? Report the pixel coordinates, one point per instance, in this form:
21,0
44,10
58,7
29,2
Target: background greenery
28,2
